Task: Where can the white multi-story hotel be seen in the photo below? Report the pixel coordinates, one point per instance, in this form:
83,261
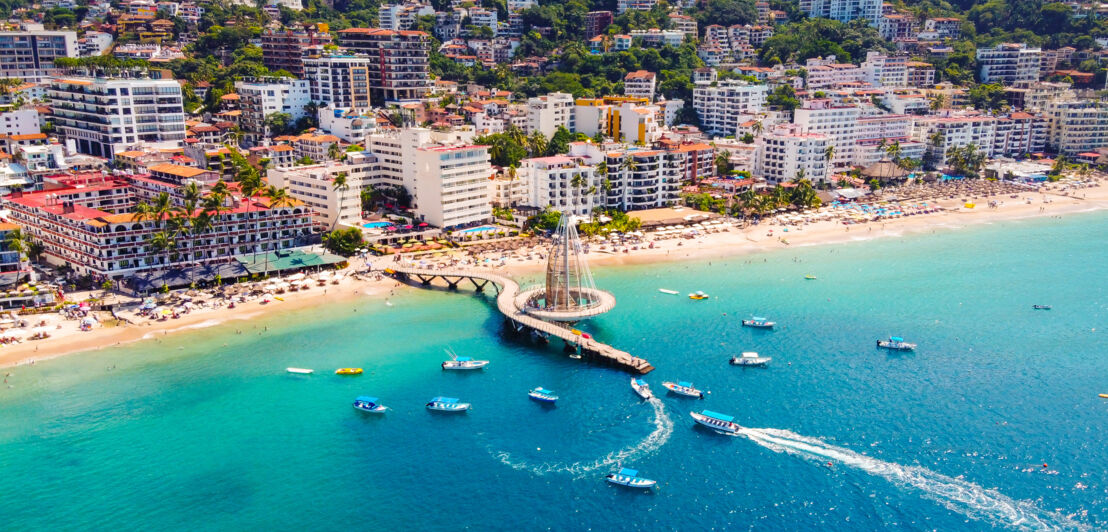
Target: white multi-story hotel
785,153
838,123
260,98
445,174
1077,126
1008,63
637,178
30,55
563,183
824,73
843,10
721,105
103,116
1007,136
349,126
886,70
623,6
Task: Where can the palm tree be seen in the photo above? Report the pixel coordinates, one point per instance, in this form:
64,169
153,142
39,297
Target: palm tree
163,242
251,184
517,136
278,197
339,185
829,154
938,101
334,151
538,144
894,151
756,128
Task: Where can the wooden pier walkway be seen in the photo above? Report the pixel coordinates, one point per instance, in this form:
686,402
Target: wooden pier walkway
508,289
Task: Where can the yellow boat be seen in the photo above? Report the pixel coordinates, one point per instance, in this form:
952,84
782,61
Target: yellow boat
698,295
348,371
278,298
1104,396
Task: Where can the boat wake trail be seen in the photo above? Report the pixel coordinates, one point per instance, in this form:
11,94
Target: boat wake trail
663,428
955,494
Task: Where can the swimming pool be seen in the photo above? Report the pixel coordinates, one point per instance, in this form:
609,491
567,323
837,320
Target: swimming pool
376,225
481,229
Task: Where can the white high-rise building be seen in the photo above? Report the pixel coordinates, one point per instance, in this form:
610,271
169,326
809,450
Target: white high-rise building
339,80
103,116
314,185
446,175
721,105
843,10
1077,125
1008,63
785,153
260,98
886,70
623,6
838,123
30,55
562,183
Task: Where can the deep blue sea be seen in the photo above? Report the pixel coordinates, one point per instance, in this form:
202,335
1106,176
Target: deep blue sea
993,423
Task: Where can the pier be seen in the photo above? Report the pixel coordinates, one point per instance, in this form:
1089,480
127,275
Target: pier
513,307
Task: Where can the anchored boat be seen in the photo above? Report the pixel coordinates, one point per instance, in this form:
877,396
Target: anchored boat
348,371
750,358
369,404
300,371
698,295
721,423
666,291
642,388
683,388
1041,307
542,395
810,277
759,323
895,343
447,404
457,362
630,478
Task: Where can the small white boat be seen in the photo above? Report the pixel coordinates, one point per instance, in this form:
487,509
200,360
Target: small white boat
369,404
447,404
722,423
642,388
542,395
759,323
750,358
896,343
457,362
670,292
300,371
630,478
683,388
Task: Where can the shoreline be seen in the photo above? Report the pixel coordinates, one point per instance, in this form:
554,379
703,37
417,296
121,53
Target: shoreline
733,242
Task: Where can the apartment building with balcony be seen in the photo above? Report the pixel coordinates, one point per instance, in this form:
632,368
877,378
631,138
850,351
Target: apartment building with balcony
843,10
785,153
315,186
400,66
722,105
639,84
839,123
260,98
637,177
547,113
341,81
996,136
1077,126
1007,63
104,116
566,184
30,55
285,49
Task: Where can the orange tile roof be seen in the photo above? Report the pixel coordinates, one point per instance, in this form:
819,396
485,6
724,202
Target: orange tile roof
177,170
29,136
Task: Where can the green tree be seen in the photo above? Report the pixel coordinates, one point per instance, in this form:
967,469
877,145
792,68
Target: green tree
345,242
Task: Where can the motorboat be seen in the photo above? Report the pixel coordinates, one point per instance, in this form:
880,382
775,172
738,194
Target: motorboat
348,371
642,388
670,292
542,395
447,404
369,404
683,388
810,277
895,343
759,323
1041,307
750,358
300,371
460,363
698,295
630,478
722,423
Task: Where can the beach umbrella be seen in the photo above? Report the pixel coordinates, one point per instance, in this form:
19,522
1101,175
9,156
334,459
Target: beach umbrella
424,224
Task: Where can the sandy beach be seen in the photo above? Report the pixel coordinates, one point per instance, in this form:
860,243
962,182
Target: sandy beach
66,338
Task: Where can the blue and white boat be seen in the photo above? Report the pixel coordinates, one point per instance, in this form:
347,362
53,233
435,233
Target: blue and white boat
895,343
759,323
750,358
722,423
630,478
641,388
369,404
542,395
683,388
457,363
447,404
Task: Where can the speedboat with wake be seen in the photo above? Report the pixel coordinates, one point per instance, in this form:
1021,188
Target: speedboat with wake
759,323
460,363
542,395
721,423
683,388
895,343
750,358
369,404
641,388
630,478
447,404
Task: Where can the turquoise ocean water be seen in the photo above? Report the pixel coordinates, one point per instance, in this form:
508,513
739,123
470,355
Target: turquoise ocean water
205,430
